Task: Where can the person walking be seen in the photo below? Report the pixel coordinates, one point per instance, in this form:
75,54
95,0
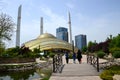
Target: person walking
74,57
67,57
79,56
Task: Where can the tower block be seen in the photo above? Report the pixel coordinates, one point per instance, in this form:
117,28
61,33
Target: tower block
70,31
18,27
41,26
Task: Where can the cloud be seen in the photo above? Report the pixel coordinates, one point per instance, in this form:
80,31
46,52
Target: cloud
70,5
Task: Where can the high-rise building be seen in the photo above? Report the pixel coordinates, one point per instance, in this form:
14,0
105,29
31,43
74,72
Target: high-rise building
41,26
18,27
62,33
80,41
70,30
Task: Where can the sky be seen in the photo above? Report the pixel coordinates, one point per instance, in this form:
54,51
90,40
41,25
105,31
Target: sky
95,18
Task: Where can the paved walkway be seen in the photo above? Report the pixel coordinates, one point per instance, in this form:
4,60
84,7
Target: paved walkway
77,71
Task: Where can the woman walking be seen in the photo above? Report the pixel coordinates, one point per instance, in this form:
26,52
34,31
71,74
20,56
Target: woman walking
79,56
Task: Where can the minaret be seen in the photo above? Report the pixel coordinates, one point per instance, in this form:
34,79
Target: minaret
18,27
70,31
41,26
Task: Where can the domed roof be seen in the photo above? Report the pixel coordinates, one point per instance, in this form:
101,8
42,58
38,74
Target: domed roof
47,41
46,35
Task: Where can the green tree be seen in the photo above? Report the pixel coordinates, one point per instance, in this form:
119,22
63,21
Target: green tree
84,49
115,44
36,50
6,28
91,46
90,43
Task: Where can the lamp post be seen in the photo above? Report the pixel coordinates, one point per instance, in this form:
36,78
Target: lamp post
73,45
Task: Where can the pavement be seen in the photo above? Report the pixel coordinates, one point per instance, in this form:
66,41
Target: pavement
76,71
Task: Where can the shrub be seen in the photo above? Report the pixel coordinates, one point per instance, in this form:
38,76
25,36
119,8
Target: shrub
70,55
36,50
100,54
51,54
106,75
116,54
10,52
84,49
114,49
109,73
1,50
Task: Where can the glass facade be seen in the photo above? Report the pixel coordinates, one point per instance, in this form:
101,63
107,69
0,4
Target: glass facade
80,41
62,33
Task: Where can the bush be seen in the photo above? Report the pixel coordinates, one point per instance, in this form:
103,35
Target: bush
109,73
2,50
114,49
36,50
10,52
70,55
116,54
84,49
51,54
100,54
23,52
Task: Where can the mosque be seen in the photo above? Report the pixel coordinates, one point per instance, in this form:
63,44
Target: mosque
46,41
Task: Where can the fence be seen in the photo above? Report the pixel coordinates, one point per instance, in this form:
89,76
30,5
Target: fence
93,60
57,63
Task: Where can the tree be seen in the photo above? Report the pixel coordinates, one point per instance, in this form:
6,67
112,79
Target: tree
92,46
6,28
84,49
115,43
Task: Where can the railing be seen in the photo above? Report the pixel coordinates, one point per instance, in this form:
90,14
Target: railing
109,61
93,60
57,63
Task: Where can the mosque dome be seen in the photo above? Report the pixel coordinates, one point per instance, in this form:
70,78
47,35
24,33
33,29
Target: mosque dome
46,35
48,41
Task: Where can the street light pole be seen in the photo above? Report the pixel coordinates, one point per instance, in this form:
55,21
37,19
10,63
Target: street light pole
73,45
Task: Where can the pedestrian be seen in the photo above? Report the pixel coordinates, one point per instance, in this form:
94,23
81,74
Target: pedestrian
74,57
79,56
66,57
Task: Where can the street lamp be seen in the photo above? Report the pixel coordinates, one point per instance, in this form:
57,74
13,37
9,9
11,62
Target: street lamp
73,45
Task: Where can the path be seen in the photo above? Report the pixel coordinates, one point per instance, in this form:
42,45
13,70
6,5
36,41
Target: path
76,71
